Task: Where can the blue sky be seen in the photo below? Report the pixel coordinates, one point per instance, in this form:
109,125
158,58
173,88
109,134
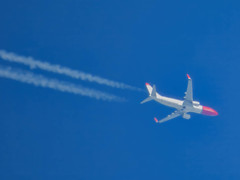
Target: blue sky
47,134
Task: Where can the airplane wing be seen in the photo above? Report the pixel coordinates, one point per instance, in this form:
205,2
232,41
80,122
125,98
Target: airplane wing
169,117
189,93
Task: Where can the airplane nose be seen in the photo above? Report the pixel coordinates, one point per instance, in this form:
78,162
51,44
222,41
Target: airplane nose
209,111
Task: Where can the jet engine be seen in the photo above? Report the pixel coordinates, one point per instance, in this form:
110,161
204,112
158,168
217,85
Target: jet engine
186,116
196,103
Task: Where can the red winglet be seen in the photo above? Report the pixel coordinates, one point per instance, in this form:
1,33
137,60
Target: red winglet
188,76
147,84
156,120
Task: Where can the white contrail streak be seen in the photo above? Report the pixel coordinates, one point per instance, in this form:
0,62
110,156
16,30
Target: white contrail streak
29,61
38,80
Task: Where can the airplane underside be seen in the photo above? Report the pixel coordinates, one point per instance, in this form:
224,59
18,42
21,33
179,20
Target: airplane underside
183,107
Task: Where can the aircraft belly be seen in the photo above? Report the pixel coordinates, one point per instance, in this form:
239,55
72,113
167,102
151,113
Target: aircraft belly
195,109
183,107
198,109
170,102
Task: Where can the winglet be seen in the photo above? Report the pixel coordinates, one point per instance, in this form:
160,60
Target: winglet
188,76
156,120
147,84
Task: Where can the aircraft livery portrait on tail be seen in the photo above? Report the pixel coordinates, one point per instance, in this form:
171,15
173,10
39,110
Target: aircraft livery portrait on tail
182,107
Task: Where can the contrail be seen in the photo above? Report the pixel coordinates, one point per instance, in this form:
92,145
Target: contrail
32,63
39,80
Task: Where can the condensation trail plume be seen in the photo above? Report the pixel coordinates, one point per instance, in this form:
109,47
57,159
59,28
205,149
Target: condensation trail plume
29,61
38,80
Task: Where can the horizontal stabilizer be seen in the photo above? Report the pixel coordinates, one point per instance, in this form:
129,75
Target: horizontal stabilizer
146,100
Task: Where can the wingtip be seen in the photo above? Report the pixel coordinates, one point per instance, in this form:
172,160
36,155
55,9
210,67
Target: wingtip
156,120
188,76
147,84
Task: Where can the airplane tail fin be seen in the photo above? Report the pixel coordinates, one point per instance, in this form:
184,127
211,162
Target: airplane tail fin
152,93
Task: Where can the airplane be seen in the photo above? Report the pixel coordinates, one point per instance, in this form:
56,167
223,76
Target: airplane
183,107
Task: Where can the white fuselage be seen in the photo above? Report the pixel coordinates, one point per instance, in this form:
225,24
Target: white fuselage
178,104
188,105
